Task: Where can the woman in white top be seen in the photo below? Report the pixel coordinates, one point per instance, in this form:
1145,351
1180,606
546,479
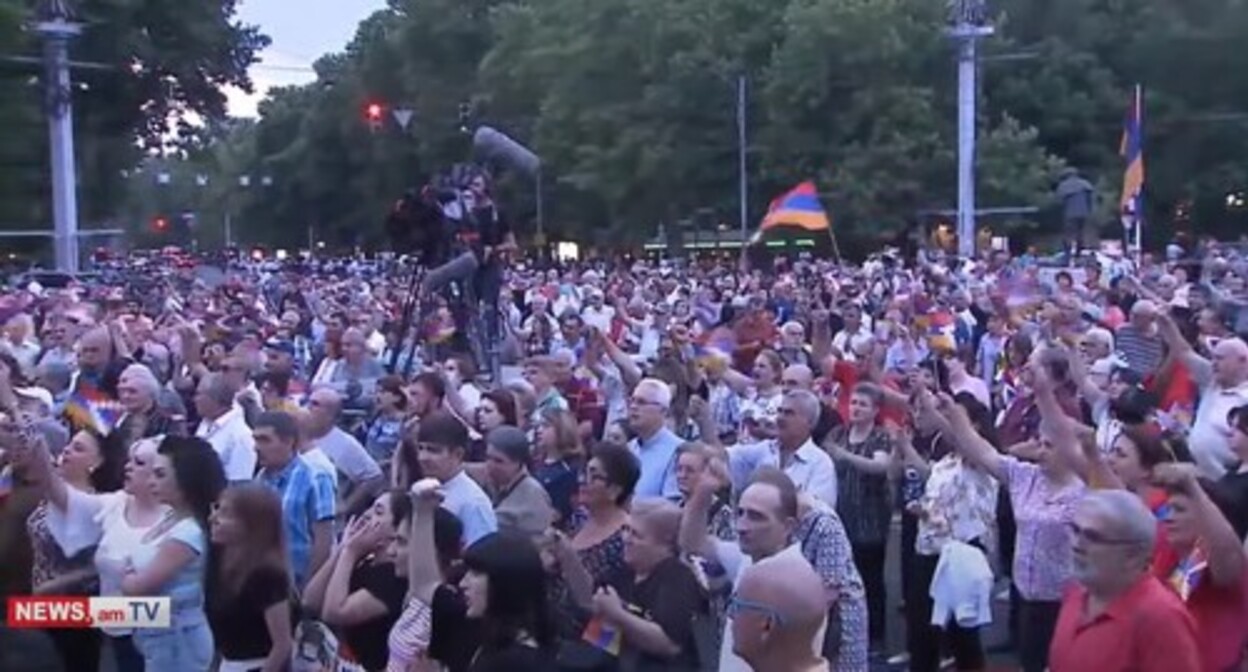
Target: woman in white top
170,558
113,522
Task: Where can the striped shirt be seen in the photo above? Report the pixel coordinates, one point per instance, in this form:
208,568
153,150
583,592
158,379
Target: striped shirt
307,499
410,636
1142,351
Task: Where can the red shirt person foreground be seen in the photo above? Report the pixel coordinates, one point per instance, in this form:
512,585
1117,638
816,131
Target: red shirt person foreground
1119,617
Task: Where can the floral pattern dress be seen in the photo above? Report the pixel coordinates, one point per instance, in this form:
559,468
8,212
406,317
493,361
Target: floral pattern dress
826,547
959,503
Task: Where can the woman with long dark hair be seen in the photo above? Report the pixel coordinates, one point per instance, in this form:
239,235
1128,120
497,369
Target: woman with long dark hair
248,584
87,465
505,591
170,559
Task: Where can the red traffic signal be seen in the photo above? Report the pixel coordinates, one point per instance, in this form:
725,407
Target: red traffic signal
160,224
373,112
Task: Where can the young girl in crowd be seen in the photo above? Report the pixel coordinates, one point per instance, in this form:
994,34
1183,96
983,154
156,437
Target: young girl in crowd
248,585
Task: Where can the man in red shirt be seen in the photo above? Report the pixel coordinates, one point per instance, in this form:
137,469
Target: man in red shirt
1119,617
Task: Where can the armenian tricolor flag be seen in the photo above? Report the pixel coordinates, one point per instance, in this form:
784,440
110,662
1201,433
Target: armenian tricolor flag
1132,150
601,635
799,207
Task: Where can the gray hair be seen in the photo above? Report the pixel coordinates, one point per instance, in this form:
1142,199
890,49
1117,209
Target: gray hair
807,404
143,379
218,389
659,391
1133,523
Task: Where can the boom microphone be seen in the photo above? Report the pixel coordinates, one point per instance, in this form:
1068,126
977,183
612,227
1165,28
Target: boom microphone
493,145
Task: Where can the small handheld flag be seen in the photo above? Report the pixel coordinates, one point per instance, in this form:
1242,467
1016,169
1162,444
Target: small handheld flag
601,635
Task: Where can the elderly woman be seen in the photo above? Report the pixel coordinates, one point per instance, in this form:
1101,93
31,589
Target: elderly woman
142,417
662,586
1044,492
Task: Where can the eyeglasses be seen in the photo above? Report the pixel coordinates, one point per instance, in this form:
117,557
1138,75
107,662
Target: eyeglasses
637,401
736,606
1096,536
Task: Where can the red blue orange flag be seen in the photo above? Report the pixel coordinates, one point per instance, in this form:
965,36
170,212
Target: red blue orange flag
799,207
1132,150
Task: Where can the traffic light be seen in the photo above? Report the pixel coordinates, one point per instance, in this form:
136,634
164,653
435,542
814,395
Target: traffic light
160,224
465,116
373,115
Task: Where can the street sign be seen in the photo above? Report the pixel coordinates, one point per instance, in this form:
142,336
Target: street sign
403,116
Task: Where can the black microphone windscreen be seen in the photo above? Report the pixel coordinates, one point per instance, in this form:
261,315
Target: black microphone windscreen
493,145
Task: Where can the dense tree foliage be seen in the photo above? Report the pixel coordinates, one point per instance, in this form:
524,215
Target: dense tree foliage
165,65
632,106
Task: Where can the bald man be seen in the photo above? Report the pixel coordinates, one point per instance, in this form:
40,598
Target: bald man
93,397
362,473
1223,386
778,610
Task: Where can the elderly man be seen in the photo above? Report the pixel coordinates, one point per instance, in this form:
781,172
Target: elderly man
1138,340
792,450
349,457
1119,616
767,516
777,611
655,445
223,426
1223,387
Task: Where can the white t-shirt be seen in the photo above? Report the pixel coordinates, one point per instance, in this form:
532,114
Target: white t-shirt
100,521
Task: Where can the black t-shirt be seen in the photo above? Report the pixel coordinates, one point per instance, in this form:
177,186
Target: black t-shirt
455,638
513,658
670,597
486,227
237,620
1231,496
368,641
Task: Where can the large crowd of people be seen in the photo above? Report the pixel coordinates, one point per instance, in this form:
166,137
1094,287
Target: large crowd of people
682,467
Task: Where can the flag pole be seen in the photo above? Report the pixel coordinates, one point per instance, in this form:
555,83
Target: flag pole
1139,207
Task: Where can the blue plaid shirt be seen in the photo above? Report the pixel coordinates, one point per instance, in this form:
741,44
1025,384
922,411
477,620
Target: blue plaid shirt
307,499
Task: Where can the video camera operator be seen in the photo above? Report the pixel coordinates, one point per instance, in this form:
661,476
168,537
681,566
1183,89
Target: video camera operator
482,238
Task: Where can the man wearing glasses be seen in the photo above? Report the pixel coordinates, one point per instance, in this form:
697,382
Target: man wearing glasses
1119,616
777,611
655,445
767,515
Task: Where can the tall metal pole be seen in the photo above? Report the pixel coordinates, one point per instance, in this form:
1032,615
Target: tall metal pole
57,31
742,166
968,19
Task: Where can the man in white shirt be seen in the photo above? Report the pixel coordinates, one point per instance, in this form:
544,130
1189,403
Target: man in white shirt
597,315
349,457
766,518
222,425
793,451
1223,387
441,441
